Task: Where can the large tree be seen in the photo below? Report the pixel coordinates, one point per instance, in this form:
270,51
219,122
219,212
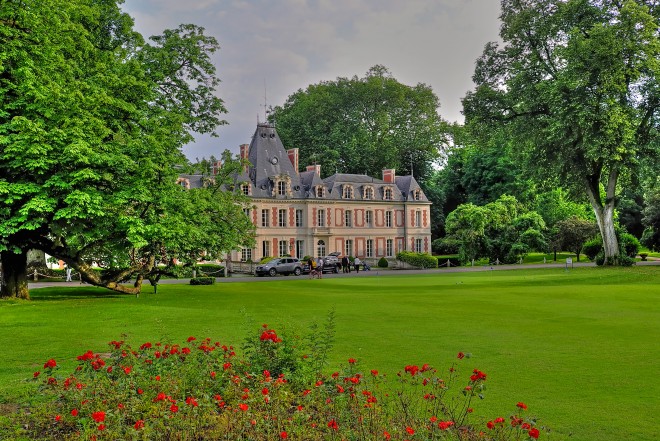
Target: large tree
575,83
364,125
92,122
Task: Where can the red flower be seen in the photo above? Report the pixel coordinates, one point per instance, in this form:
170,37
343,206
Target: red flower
410,430
36,374
213,374
264,391
140,391
333,424
490,424
191,338
387,435
522,405
477,375
50,364
58,418
444,425
190,401
461,355
74,412
352,360
412,369
174,408
144,346
283,435
374,372
101,427
340,389
534,433
243,407
99,417
139,424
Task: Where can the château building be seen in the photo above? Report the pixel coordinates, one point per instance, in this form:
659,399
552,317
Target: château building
300,214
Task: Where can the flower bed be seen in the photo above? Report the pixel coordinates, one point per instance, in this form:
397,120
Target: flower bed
201,390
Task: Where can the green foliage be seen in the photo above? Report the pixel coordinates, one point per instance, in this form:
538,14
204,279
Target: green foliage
445,245
364,125
501,230
92,124
629,245
560,86
419,260
266,259
572,234
202,281
382,263
651,220
593,248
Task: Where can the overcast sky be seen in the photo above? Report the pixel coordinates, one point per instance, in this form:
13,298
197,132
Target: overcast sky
290,44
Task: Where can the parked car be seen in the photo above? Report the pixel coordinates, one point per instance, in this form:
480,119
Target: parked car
331,264
280,265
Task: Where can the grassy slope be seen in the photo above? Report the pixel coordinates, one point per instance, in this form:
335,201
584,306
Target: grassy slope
579,347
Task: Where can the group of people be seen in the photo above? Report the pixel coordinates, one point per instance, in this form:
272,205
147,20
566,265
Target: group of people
346,264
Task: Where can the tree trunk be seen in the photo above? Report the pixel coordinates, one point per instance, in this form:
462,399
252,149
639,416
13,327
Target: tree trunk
14,275
36,259
605,215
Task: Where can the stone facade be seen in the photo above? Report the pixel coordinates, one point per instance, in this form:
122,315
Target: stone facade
300,214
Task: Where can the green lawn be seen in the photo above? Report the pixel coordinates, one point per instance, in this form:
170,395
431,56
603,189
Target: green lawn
579,347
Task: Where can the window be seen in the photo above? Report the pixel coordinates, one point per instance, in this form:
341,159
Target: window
348,218
348,247
283,249
246,254
348,192
265,218
417,195
300,249
389,252
369,193
320,191
246,212
388,219
245,188
370,248
299,218
320,218
281,188
418,218
281,218
369,218
418,245
388,194
320,248
265,248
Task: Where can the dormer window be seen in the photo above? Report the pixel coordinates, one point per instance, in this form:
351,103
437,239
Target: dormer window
417,195
281,188
348,192
368,193
245,189
320,191
387,194
184,183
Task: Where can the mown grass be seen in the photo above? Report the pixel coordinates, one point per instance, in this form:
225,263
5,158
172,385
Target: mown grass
579,347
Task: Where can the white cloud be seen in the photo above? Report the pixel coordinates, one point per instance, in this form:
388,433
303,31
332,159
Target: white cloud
294,43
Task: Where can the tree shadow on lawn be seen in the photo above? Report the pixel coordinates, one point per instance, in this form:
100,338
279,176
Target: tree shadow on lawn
70,293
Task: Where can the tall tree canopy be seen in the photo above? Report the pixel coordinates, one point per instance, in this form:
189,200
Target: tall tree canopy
576,86
364,125
92,121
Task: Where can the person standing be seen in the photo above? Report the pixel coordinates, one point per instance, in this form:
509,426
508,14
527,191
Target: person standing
319,268
357,263
344,264
68,274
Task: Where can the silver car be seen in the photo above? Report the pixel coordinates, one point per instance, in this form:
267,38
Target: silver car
281,265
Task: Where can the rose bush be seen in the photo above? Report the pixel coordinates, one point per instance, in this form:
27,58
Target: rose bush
201,389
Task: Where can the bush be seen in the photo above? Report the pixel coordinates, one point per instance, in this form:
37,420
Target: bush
199,389
629,245
592,248
445,246
383,263
420,260
202,281
626,260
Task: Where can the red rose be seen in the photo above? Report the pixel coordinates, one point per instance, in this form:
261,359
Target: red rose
283,435
50,364
534,433
99,417
139,424
410,430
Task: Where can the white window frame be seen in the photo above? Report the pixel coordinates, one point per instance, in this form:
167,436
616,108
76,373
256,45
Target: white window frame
389,247
370,248
265,217
281,188
369,218
388,219
283,247
388,194
246,254
265,248
281,217
299,218
348,218
300,248
348,247
418,218
418,245
320,217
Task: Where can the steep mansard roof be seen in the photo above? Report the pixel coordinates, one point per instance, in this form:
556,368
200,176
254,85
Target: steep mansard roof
270,162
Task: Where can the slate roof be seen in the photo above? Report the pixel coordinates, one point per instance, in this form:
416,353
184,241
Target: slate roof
269,161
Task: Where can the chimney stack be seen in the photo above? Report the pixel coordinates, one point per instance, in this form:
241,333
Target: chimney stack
215,167
245,150
389,175
316,168
293,157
